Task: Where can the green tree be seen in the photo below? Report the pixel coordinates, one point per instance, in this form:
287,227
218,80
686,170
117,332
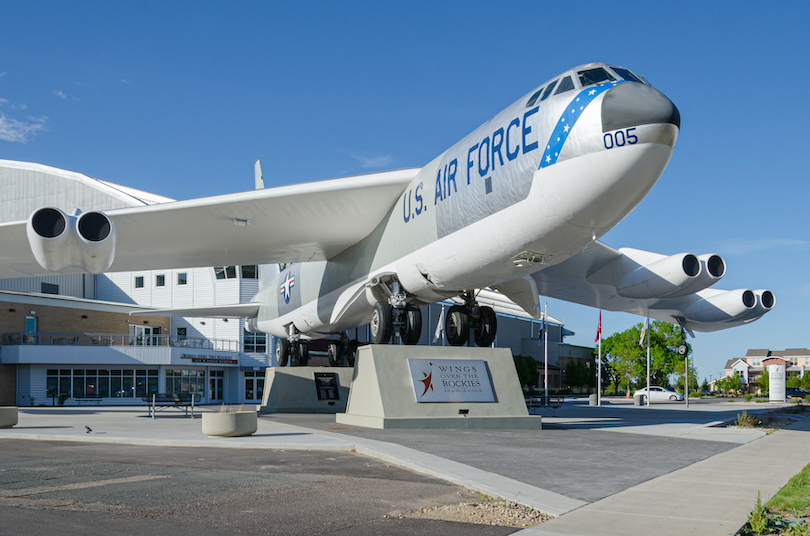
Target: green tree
705,385
627,359
579,374
805,383
793,381
527,372
764,381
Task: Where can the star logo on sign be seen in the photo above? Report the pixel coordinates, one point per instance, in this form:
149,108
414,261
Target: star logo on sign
286,287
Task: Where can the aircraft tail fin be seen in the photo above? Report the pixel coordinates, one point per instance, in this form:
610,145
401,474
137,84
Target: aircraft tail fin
257,170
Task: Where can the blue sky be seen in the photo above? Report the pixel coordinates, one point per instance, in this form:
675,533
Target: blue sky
179,98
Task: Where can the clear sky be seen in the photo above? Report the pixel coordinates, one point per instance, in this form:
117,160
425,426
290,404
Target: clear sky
179,98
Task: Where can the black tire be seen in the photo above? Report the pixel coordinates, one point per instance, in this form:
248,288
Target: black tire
381,323
303,354
334,354
673,397
457,326
351,352
486,327
282,352
412,330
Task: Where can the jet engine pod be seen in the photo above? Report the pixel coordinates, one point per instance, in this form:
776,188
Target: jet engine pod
50,237
712,269
765,302
59,241
729,305
661,278
96,239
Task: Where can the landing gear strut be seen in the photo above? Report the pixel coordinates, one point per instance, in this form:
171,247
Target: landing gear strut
292,349
462,321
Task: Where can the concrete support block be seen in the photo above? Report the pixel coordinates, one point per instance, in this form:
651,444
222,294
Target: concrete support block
8,416
295,390
384,393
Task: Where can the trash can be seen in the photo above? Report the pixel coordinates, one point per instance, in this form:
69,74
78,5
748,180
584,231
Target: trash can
592,400
639,400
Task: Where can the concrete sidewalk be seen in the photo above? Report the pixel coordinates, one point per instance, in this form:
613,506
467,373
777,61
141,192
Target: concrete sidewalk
712,496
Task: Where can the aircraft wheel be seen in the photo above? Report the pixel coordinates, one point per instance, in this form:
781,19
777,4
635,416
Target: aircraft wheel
333,353
412,329
456,326
381,323
486,327
351,353
303,354
282,352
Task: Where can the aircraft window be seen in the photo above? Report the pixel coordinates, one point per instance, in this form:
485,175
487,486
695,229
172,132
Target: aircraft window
591,77
534,98
549,89
565,85
627,74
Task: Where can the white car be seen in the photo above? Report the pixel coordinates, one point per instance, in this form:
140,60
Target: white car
659,393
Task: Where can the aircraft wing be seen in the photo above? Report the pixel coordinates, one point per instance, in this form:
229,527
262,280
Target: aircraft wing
301,222
670,288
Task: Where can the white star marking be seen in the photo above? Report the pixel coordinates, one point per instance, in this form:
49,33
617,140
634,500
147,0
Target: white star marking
566,129
591,92
548,159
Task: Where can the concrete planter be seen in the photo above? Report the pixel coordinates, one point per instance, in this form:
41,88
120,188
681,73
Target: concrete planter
230,424
8,416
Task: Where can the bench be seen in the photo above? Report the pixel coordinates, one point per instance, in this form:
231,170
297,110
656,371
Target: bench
160,401
534,403
88,399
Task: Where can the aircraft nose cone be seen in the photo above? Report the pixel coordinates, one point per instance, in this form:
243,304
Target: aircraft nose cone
632,104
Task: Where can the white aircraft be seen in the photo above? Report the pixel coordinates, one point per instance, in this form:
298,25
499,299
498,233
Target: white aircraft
516,206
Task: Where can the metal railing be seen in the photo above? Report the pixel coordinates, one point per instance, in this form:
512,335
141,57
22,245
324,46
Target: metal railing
116,339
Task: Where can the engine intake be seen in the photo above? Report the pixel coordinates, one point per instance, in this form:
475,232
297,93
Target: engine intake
725,306
661,278
60,241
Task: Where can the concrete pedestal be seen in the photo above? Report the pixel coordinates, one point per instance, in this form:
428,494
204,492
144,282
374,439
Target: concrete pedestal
296,390
385,391
8,416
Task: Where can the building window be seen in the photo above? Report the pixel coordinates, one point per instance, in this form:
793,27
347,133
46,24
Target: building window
757,362
254,385
139,282
807,360
101,383
49,288
182,279
181,333
250,272
185,381
255,342
160,280
225,272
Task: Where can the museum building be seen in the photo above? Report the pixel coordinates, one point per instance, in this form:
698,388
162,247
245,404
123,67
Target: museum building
72,335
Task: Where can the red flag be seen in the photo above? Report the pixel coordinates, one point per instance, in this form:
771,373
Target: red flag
599,328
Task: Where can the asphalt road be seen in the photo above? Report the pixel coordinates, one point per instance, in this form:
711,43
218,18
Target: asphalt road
51,487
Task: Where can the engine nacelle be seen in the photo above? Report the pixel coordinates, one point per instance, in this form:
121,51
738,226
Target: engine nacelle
712,269
725,306
765,302
661,278
60,241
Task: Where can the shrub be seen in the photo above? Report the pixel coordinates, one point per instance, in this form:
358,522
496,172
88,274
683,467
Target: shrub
748,397
758,518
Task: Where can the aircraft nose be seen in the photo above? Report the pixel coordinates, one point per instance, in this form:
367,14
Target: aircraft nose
632,104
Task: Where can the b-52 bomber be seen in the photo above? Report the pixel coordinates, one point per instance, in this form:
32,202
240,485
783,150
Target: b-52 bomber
516,206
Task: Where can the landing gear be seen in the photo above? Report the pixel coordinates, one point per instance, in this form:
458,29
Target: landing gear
456,326
462,319
340,349
292,350
381,323
396,316
411,328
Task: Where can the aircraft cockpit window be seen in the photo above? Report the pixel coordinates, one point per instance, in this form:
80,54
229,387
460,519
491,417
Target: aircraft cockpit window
591,77
549,89
534,98
566,84
627,74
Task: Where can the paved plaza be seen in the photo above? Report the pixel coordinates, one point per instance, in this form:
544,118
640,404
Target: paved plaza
608,470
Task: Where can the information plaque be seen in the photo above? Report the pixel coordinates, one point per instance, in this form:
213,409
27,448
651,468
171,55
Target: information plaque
327,385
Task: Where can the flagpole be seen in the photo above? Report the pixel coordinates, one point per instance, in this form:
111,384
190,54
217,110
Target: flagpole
545,354
599,364
648,359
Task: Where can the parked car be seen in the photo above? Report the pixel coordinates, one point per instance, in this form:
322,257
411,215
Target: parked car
659,393
795,392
